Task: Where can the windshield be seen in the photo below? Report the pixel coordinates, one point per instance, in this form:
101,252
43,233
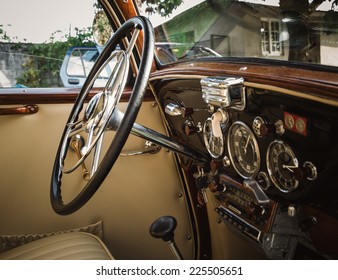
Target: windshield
298,31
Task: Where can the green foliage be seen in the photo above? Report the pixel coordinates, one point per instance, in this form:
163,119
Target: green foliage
162,7
31,76
102,29
43,66
331,22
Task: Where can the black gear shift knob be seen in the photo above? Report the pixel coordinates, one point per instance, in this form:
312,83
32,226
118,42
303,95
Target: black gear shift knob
164,228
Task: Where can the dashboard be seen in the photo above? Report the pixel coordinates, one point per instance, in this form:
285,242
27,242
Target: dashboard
272,159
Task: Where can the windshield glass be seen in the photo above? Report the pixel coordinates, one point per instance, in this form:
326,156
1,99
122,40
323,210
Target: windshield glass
303,31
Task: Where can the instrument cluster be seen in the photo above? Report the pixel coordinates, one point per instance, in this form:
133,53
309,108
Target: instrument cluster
271,156
253,147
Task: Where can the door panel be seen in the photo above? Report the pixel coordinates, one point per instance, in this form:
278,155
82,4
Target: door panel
137,191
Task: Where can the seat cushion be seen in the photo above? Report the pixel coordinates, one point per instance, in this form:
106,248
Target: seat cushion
65,246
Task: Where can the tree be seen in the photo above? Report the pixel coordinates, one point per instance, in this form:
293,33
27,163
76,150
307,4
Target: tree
296,15
42,67
162,7
166,7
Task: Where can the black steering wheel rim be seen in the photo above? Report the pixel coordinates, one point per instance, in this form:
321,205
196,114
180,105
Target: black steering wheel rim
124,128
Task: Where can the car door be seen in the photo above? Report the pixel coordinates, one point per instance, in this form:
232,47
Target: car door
139,188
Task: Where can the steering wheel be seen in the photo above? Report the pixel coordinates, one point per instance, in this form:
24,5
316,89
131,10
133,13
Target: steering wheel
89,122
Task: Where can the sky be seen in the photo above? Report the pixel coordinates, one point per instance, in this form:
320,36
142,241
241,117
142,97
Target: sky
47,16
325,6
37,25
157,20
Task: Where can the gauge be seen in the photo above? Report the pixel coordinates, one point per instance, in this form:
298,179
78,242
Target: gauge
214,145
243,150
289,121
300,125
282,166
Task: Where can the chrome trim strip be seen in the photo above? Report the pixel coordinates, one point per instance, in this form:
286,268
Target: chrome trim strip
251,231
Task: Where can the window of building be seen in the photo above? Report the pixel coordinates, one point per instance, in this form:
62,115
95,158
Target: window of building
270,30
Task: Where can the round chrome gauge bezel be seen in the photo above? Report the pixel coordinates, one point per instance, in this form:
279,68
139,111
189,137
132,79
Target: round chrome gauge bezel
214,145
241,130
281,176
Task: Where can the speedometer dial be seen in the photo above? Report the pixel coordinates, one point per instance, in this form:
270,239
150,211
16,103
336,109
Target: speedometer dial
282,166
243,150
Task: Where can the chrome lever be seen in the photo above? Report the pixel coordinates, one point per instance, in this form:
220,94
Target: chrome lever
76,144
149,148
260,195
173,109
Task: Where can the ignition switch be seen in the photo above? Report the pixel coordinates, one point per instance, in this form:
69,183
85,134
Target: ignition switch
202,182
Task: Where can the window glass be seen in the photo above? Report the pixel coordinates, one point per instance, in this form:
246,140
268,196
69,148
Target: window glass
35,39
77,64
271,40
302,31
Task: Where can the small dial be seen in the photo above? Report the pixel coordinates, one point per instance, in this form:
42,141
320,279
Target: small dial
263,180
300,125
289,121
243,150
214,145
282,166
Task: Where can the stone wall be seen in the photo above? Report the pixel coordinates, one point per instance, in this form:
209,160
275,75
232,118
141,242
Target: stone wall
11,63
12,60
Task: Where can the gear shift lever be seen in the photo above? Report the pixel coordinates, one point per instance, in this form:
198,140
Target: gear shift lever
163,228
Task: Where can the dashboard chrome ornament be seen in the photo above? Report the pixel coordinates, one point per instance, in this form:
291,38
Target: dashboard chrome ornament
173,109
224,92
256,125
243,150
282,166
214,144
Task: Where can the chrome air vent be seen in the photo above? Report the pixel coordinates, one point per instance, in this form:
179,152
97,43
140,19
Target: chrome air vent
224,92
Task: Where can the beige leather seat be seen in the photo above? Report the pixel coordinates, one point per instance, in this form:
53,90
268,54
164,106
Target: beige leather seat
65,246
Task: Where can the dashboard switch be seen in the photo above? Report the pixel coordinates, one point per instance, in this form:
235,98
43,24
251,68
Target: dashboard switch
263,128
186,111
266,129
190,128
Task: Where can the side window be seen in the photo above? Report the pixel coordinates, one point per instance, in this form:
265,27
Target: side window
34,52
